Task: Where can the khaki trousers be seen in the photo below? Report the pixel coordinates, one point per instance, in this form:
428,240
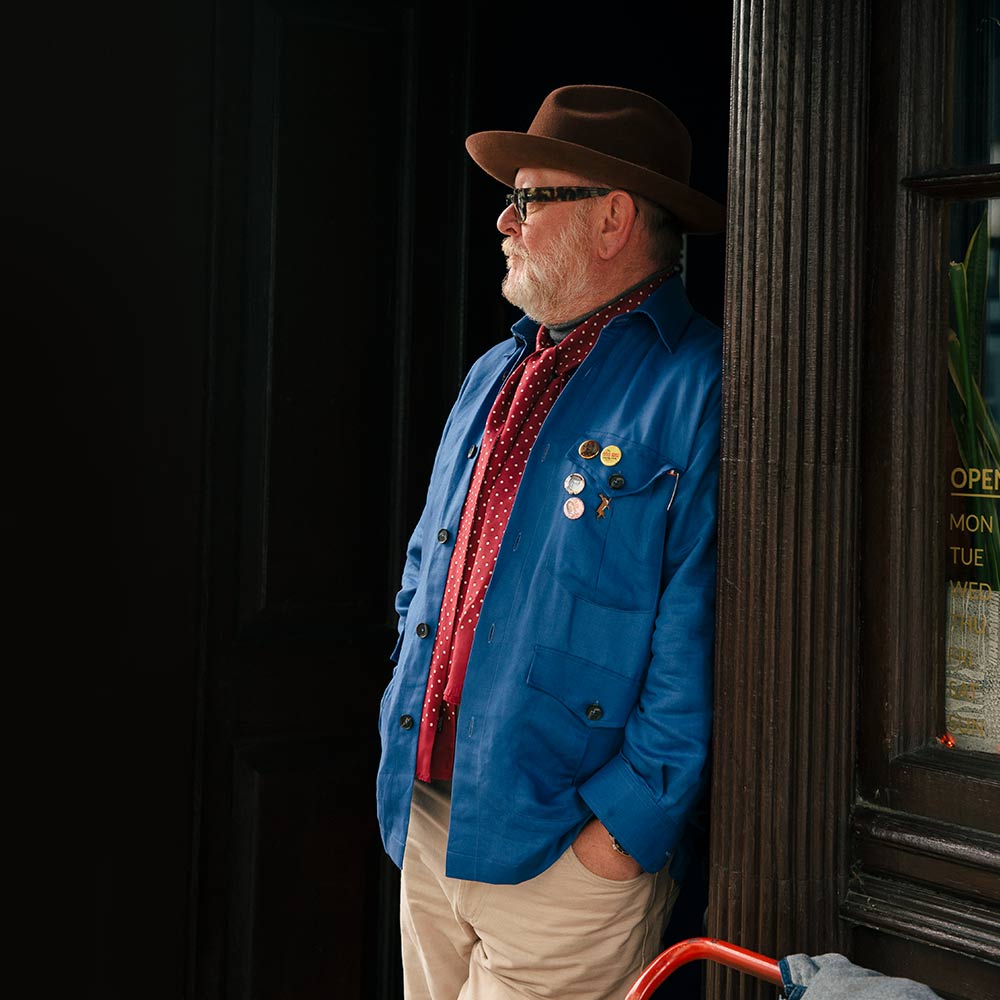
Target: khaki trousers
566,933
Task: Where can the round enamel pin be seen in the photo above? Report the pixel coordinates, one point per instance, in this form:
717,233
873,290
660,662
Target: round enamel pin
589,449
574,483
611,455
573,508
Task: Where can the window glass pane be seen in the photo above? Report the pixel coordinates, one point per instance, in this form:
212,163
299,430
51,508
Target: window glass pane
972,511
976,138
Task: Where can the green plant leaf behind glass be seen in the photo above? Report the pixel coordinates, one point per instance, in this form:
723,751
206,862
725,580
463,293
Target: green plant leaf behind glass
965,362
976,266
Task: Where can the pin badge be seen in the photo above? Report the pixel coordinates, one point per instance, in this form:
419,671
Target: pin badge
573,508
605,502
611,455
589,449
574,483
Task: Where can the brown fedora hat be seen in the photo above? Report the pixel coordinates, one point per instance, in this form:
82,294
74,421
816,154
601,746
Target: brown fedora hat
620,137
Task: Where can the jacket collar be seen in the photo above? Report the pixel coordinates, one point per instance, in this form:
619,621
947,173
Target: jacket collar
667,309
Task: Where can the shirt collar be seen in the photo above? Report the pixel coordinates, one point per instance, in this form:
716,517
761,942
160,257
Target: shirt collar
667,309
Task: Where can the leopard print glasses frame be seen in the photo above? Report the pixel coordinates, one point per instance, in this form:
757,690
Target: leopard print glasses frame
520,197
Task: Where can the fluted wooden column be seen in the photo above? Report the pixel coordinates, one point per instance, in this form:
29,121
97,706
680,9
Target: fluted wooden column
788,582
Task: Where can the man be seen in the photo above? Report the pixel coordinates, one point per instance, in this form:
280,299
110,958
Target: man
546,726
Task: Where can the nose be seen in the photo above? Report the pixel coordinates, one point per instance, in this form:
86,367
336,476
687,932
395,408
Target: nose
508,223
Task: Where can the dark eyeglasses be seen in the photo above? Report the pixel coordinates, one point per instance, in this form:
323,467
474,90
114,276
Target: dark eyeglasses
520,197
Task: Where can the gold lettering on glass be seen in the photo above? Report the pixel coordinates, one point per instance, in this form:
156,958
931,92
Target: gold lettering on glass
972,469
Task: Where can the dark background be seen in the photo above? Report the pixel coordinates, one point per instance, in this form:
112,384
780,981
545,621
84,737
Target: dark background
250,264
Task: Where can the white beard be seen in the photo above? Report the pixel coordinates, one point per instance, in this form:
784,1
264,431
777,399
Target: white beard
547,286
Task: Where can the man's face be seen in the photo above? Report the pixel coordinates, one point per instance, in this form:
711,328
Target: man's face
549,254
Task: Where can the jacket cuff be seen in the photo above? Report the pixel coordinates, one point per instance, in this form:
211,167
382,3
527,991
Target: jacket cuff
626,806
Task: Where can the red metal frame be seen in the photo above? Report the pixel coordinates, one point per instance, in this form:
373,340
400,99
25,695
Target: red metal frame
693,949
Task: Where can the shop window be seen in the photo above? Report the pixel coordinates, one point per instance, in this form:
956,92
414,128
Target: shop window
972,481
972,354
924,897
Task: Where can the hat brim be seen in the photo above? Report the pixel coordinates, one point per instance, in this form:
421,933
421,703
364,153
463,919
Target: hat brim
502,154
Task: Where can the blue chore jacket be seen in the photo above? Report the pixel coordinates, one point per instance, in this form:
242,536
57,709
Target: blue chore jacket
588,690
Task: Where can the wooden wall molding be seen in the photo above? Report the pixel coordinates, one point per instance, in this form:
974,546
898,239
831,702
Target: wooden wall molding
925,915
787,596
979,182
948,856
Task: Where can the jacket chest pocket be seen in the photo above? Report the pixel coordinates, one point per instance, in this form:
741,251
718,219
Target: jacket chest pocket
610,522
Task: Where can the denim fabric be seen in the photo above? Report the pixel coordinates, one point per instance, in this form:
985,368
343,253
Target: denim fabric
833,977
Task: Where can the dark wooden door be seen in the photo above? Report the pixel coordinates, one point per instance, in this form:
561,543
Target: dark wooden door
352,296
320,268
324,250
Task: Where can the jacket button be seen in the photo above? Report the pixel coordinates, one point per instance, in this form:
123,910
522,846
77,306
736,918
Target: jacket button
594,712
617,481
406,721
471,453
423,630
443,535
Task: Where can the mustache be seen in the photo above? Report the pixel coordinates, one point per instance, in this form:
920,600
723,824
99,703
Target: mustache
511,249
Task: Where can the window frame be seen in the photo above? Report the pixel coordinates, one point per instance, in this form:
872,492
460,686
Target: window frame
923,894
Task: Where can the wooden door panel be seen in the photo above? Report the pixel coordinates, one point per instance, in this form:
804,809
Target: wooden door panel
312,419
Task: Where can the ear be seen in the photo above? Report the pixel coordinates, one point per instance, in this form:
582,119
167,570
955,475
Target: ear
616,225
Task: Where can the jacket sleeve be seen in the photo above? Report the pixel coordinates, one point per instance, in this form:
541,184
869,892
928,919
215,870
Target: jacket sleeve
645,793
